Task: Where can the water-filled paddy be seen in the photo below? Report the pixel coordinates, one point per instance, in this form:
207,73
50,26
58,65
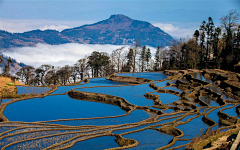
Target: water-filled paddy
214,116
133,94
179,143
135,116
166,98
146,75
103,142
92,82
32,90
209,101
149,139
58,107
194,128
162,83
50,108
231,112
2,101
172,88
201,77
220,92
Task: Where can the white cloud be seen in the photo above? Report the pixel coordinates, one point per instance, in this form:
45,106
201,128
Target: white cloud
60,55
57,55
176,31
21,25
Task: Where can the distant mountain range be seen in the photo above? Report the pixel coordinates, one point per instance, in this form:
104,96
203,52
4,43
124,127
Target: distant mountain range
117,30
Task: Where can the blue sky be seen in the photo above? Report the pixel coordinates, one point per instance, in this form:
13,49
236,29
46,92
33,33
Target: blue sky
177,17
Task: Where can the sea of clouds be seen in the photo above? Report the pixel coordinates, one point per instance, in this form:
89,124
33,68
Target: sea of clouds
60,55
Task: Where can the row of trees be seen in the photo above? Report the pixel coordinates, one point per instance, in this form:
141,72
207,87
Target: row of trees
96,65
210,47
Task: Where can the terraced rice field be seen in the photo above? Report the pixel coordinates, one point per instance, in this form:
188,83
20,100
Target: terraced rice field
164,113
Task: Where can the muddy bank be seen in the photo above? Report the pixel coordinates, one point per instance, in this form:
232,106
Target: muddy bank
108,99
130,80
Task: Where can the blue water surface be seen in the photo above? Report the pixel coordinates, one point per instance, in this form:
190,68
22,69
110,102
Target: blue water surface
92,82
214,116
172,88
32,90
104,142
193,128
149,139
134,117
162,83
201,77
58,107
133,94
167,98
146,75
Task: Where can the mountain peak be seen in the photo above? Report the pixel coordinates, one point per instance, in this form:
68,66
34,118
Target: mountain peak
118,30
119,17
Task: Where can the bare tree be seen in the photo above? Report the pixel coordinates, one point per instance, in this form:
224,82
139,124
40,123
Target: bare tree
64,74
230,20
40,73
117,54
26,74
51,77
135,52
82,68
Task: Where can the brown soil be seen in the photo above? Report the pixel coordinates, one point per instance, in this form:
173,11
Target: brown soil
6,88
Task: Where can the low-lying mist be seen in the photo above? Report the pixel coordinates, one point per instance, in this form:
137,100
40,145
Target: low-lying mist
59,55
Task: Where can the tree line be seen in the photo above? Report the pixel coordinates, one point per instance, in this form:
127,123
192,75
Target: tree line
135,59
209,47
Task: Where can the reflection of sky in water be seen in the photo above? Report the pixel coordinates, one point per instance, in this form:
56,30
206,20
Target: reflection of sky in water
58,107
133,94
214,116
172,88
220,92
92,82
179,143
2,101
166,98
231,112
161,84
149,139
201,77
193,128
32,90
135,116
104,142
173,81
146,75
208,100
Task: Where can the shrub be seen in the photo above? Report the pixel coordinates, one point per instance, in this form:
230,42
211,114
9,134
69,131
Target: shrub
10,84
